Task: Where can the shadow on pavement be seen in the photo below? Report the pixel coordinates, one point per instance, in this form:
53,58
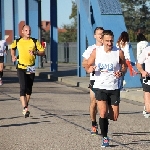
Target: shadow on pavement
55,75
130,113
22,124
11,118
132,133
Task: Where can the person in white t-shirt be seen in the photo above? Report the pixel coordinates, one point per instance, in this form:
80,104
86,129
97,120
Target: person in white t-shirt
144,57
140,46
109,66
141,41
93,105
3,51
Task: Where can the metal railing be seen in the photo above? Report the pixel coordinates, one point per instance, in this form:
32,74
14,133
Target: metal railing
67,52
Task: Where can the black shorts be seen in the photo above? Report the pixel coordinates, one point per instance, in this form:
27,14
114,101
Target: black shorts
1,59
26,82
145,85
111,96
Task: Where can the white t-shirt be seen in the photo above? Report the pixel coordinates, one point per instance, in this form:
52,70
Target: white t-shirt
144,57
87,54
107,64
125,49
3,45
140,46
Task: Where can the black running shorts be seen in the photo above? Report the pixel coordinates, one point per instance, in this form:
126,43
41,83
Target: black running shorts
1,59
145,84
111,96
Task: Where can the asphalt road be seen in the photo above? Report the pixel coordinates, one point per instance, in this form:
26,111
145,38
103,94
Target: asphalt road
60,120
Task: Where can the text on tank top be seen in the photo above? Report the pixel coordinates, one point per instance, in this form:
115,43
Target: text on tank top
107,64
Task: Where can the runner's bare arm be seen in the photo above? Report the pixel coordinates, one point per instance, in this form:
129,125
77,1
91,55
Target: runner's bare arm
90,62
140,61
122,61
139,67
84,62
13,52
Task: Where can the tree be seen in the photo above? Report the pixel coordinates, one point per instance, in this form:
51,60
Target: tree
74,13
136,14
71,29
46,35
70,34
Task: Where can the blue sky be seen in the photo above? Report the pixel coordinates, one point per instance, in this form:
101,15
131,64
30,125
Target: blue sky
63,11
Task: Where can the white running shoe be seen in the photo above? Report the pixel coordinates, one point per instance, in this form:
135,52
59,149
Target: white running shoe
144,111
146,115
26,113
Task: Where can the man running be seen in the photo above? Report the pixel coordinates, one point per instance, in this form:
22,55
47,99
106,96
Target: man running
28,48
93,105
144,58
3,51
109,67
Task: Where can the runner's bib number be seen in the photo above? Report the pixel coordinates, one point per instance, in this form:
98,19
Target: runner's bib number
30,69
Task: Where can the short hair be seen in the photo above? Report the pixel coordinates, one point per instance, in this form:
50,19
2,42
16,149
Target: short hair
24,26
108,32
98,28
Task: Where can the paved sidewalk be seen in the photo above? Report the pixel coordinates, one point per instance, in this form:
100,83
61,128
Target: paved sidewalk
67,73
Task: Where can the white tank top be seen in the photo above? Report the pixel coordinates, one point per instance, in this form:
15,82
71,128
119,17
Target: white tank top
107,64
3,45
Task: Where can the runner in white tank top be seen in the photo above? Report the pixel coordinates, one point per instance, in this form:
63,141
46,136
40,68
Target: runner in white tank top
109,67
107,64
3,48
93,105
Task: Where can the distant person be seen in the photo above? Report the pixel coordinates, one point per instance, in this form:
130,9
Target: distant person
144,58
142,42
141,47
43,43
3,51
123,44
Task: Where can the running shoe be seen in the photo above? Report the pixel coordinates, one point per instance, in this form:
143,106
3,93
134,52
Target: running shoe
105,142
1,82
144,111
26,113
94,130
124,90
146,114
